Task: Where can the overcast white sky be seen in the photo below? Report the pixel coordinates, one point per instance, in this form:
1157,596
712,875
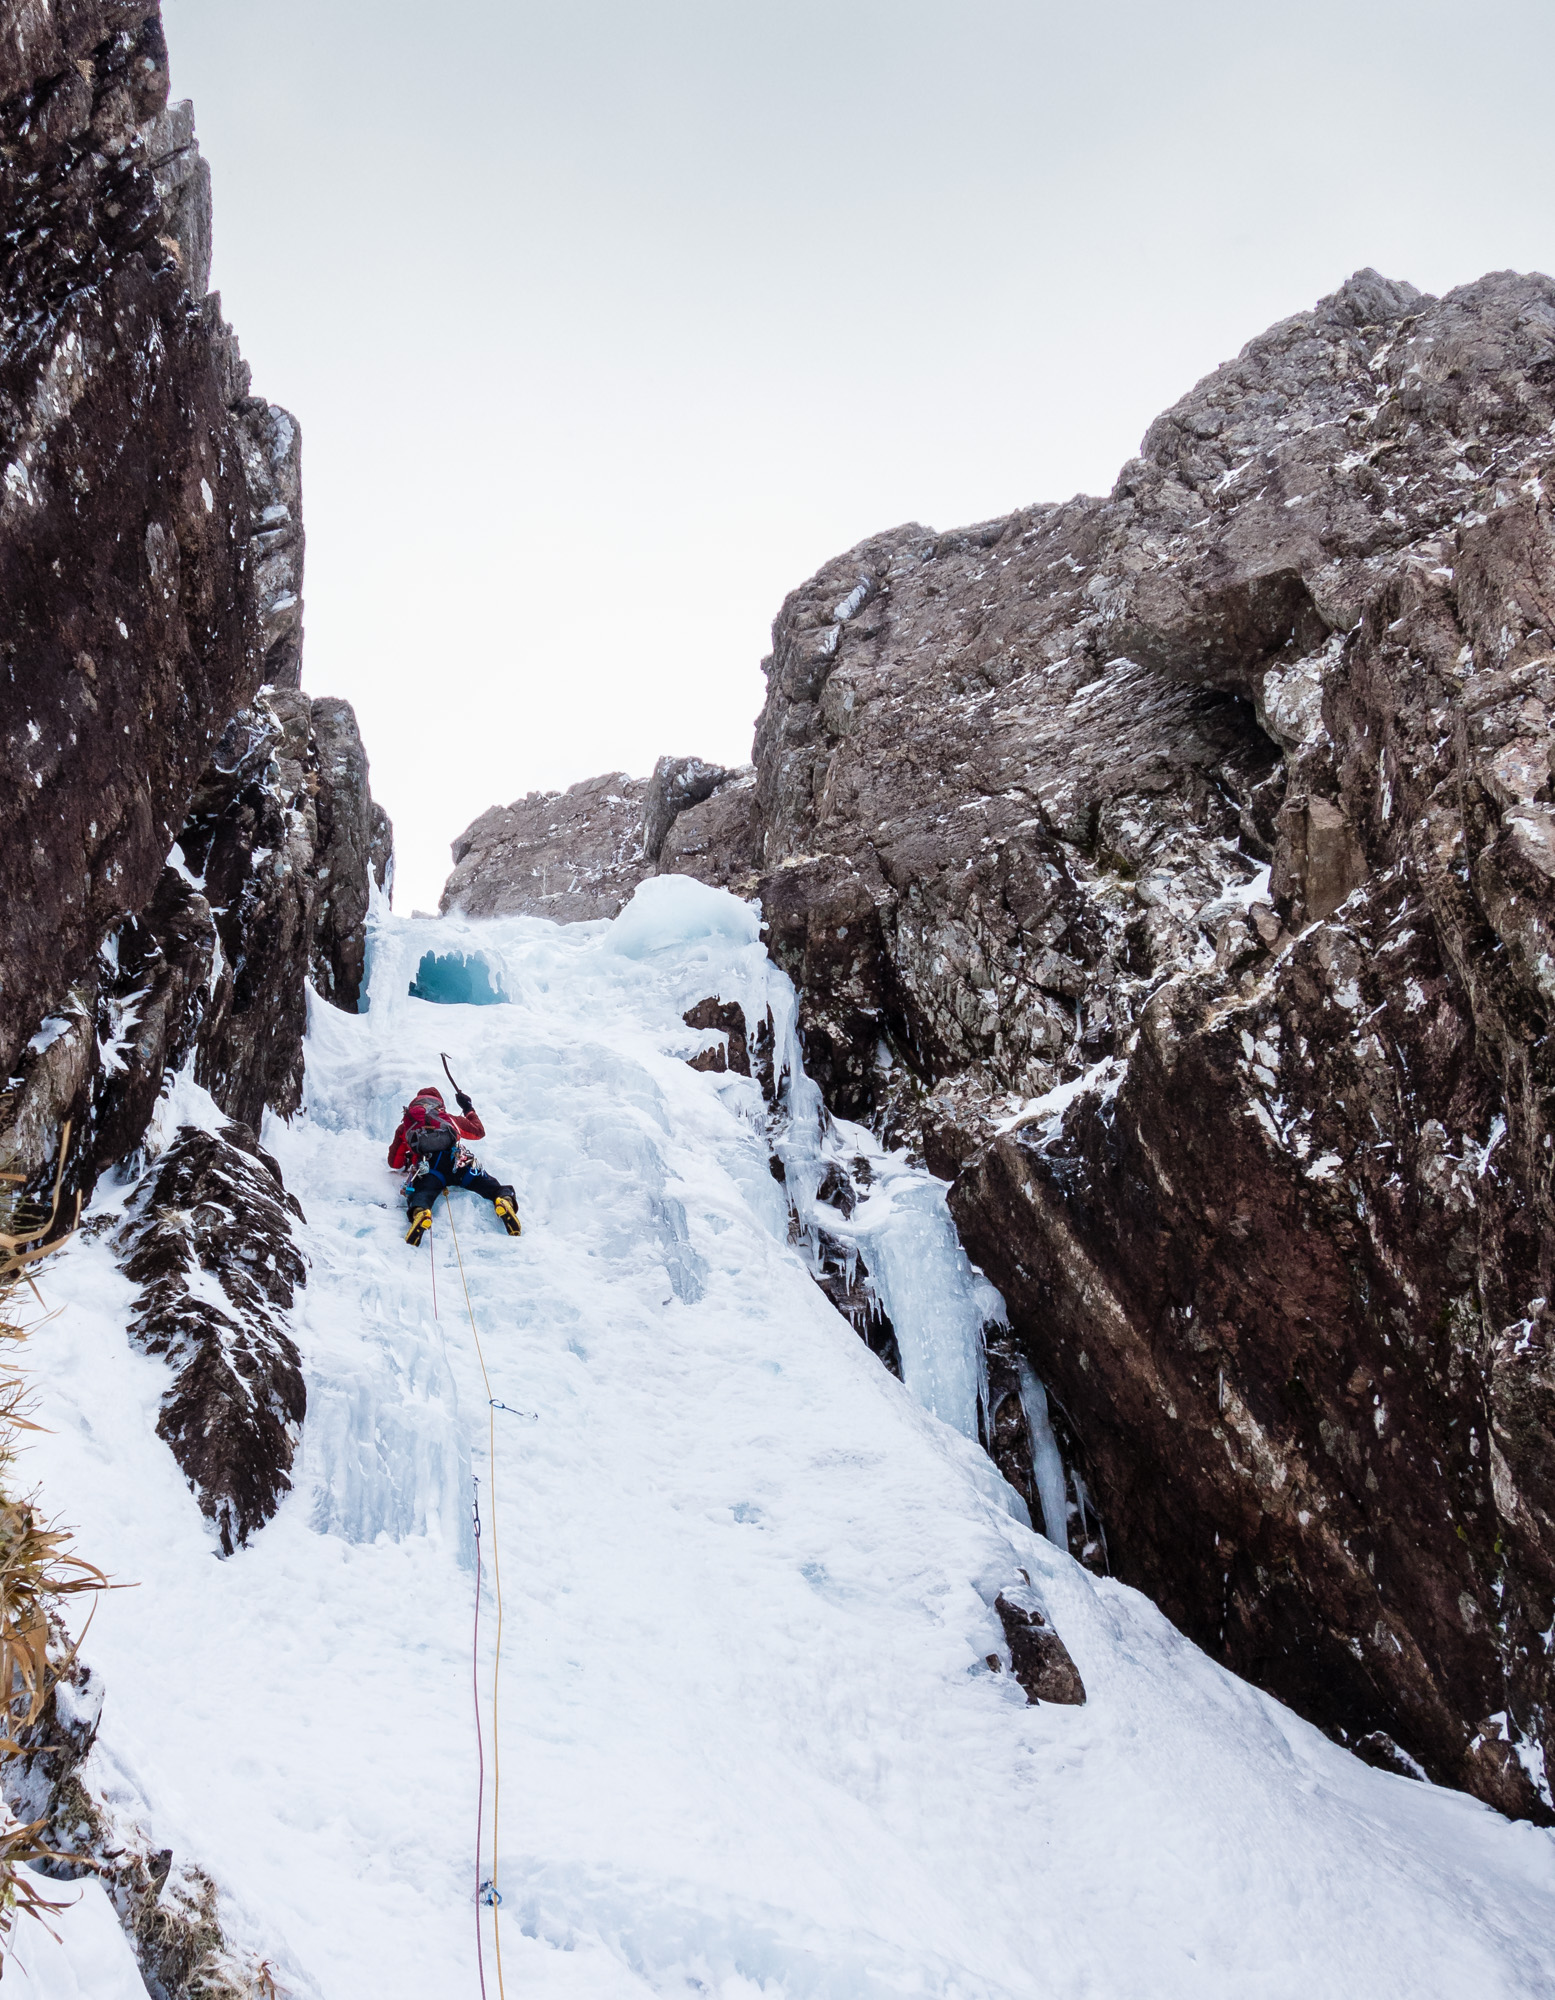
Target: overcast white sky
607,323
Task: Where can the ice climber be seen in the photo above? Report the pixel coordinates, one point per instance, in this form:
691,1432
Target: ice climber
429,1147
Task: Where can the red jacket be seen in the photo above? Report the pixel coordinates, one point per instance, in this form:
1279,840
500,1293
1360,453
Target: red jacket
467,1126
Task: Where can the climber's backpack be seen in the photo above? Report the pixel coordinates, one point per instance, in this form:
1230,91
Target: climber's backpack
428,1128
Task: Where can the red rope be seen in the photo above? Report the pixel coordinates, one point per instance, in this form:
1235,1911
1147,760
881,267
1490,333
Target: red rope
480,1744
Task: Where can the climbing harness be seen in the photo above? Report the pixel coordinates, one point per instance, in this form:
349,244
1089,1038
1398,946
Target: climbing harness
488,1894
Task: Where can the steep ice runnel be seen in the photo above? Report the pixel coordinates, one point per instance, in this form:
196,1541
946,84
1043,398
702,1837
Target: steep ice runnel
750,1742
1046,1464
937,1303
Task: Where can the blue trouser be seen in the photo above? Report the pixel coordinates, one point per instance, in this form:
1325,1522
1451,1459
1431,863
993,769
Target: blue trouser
443,1171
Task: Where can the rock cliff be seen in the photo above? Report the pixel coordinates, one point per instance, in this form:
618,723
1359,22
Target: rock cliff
1174,872
186,838
150,551
579,854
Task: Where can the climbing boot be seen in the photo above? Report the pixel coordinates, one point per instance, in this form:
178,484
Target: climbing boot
420,1223
509,1215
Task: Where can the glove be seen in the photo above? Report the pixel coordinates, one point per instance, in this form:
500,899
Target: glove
464,1103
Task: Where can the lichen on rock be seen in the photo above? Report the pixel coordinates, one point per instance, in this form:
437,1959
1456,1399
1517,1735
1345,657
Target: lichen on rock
213,1214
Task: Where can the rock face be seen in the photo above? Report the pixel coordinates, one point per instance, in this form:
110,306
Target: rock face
287,843
1281,1256
268,888
1176,872
569,855
186,839
213,1213
179,852
579,854
353,849
150,551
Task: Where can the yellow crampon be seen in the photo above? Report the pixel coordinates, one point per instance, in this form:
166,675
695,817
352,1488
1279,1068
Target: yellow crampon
508,1215
420,1223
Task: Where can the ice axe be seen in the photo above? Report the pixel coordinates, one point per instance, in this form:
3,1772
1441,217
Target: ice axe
459,1097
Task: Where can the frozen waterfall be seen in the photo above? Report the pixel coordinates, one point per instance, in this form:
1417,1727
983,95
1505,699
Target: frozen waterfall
752,1739
1047,1466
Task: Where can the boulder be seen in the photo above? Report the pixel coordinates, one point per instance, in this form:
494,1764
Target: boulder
1039,1659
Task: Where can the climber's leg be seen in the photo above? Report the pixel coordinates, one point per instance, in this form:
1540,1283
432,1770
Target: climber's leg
419,1197
498,1193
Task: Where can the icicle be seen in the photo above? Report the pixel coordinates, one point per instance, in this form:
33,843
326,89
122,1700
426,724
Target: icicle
799,1094
919,1272
1047,1467
936,1302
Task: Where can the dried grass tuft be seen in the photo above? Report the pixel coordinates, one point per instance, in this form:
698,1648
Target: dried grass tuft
174,1930
38,1571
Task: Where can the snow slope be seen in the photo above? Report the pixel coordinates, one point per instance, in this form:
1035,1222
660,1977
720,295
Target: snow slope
750,1744
77,1953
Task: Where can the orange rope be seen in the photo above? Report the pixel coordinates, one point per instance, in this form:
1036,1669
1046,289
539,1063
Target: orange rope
496,1571
480,1747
